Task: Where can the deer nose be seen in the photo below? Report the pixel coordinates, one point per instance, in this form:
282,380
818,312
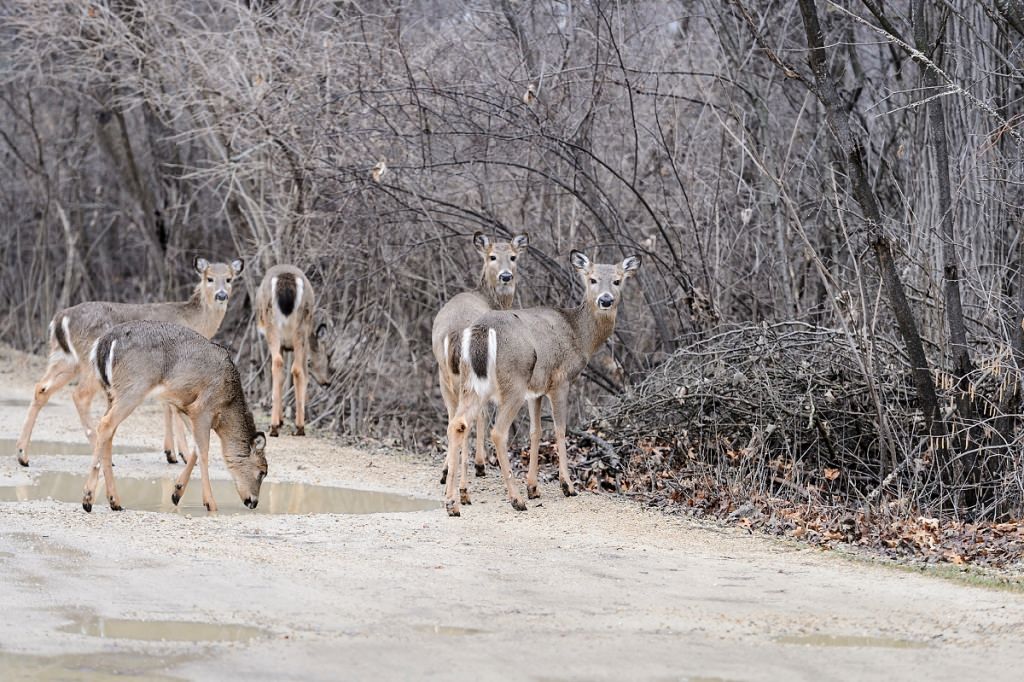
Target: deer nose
221,295
605,301
505,276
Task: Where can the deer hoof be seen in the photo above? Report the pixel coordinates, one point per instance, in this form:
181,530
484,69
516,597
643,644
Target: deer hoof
273,429
532,492
171,459
175,499
22,457
518,504
444,475
568,490
300,430
182,459
114,506
464,496
481,470
87,506
452,508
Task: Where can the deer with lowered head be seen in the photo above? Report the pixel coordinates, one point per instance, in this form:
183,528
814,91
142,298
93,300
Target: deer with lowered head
74,330
193,376
285,310
508,357
495,291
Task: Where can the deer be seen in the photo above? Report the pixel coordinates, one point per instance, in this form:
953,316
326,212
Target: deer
512,357
495,290
74,330
285,310
193,376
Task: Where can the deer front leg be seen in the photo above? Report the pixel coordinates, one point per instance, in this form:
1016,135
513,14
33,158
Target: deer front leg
277,374
180,438
169,435
535,432
201,434
559,411
300,380
57,375
506,413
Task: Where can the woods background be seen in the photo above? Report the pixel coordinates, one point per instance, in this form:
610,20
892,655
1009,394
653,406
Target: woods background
826,196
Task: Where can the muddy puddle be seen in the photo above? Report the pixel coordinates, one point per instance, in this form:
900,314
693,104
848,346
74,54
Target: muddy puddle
9,446
154,494
159,630
19,402
123,667
850,641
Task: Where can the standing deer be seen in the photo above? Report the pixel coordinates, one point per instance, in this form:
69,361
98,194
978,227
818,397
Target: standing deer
509,357
74,330
193,376
285,308
495,291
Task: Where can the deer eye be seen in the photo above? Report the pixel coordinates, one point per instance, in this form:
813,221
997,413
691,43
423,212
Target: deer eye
512,258
210,280
228,280
593,281
494,257
616,282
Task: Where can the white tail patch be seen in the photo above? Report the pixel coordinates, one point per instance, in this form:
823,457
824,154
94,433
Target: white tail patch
110,362
66,325
298,292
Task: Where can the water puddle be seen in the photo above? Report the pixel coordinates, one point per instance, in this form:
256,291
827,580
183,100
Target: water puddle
9,446
851,641
159,630
19,402
448,630
105,667
275,498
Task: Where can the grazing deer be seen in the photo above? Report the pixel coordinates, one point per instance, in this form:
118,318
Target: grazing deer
193,376
74,330
495,291
285,308
513,356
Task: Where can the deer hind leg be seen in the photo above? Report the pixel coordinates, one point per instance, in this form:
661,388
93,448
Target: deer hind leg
535,432
179,435
117,410
82,397
451,404
185,476
58,373
169,435
458,432
201,434
300,380
506,414
464,454
559,411
277,374
481,447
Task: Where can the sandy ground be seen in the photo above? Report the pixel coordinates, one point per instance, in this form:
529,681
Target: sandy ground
572,589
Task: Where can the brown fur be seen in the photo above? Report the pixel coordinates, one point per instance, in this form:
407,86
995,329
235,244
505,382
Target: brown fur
86,322
463,309
193,376
285,315
536,352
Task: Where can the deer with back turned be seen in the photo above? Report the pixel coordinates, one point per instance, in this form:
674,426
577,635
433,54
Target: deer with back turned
511,357
495,290
285,316
74,330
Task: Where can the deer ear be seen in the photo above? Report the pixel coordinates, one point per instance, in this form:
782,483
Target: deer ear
481,242
520,241
200,264
238,265
260,441
579,260
630,266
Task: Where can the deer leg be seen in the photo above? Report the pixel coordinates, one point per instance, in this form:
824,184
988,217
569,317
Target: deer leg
300,381
559,410
82,397
57,375
481,447
458,428
169,435
464,469
186,475
117,410
201,434
450,404
180,437
277,373
506,413
535,432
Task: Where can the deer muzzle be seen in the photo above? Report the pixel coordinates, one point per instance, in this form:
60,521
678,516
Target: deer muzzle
605,301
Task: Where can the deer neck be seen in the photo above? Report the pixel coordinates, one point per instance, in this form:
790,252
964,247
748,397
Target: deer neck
236,427
202,317
591,328
494,299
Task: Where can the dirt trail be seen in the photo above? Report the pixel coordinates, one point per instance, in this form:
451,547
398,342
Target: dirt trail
580,589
